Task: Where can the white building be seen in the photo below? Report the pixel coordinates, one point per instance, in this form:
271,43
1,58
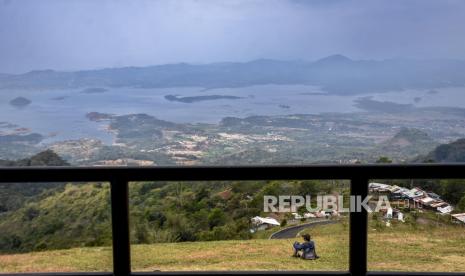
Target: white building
400,217
446,209
261,223
459,217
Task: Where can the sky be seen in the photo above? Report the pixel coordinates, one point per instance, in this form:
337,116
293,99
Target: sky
90,34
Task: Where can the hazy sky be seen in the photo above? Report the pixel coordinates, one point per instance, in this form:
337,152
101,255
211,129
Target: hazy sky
87,34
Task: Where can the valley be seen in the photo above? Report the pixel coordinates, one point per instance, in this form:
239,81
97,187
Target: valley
285,139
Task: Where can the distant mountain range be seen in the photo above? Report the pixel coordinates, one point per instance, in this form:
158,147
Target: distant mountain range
335,74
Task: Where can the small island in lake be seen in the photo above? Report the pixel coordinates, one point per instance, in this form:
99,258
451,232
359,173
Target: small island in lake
60,98
369,104
94,90
20,102
174,98
97,116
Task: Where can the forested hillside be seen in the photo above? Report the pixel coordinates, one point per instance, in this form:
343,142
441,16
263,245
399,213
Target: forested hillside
14,195
75,215
452,152
45,158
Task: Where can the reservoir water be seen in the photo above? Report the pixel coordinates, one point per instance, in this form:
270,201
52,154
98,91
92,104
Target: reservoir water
60,114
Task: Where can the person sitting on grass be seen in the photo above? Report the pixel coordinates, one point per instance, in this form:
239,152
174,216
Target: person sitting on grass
307,248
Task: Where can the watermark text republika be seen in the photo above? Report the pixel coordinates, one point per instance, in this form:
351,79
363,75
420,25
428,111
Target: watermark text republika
341,204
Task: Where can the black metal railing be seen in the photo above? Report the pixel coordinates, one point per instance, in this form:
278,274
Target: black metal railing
119,177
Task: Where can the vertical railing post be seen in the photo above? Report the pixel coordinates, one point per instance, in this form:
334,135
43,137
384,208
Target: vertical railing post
358,229
120,227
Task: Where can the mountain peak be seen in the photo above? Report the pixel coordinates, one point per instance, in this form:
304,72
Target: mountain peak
40,72
408,137
265,61
411,134
334,59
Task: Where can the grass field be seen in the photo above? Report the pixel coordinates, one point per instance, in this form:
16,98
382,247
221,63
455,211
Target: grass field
432,249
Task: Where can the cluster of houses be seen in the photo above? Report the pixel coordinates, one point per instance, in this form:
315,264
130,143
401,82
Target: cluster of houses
320,214
416,198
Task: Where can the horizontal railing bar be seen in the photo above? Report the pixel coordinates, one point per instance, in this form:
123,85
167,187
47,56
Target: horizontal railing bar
197,273
194,173
59,274
226,273
388,273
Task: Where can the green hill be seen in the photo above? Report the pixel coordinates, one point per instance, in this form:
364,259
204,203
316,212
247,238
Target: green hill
407,142
15,195
452,152
44,158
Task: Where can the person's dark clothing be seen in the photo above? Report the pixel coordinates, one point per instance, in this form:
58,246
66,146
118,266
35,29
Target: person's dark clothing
307,248
304,245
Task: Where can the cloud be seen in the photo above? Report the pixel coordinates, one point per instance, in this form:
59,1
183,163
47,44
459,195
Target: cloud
78,34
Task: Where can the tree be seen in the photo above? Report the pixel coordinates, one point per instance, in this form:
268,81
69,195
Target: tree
31,212
202,193
10,243
273,188
216,218
453,190
461,204
155,217
384,159
141,234
180,227
309,187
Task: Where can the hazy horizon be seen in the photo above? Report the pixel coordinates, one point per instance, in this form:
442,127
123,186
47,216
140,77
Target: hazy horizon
80,35
232,61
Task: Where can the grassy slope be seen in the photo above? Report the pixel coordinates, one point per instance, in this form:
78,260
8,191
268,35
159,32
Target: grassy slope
438,249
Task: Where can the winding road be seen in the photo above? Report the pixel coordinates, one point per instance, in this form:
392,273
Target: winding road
291,232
